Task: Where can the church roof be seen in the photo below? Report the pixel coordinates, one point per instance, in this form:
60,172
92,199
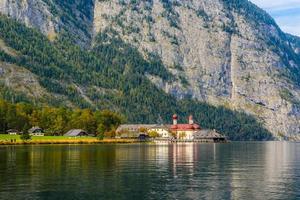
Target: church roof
76,132
185,127
35,129
135,127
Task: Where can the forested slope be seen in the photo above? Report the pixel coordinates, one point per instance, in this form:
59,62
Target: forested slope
109,76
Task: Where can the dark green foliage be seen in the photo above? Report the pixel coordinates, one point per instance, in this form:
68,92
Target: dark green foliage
235,125
9,95
55,121
76,18
251,12
11,118
100,136
25,137
184,81
113,77
170,13
119,55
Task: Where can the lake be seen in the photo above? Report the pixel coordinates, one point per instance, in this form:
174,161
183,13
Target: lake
238,170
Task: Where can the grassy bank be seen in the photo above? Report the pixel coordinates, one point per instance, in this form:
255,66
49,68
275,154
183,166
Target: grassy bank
15,140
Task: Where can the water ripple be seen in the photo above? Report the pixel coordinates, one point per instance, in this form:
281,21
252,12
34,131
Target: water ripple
268,170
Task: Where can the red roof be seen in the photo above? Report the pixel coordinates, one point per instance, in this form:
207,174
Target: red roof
185,127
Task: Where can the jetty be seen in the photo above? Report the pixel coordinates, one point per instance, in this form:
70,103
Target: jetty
203,136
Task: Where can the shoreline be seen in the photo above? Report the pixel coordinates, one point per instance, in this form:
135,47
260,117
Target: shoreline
105,141
75,141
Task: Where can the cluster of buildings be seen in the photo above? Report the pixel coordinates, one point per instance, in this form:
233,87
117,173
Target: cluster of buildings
190,131
37,131
34,131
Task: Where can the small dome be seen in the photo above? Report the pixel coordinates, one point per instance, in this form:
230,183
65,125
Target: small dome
175,116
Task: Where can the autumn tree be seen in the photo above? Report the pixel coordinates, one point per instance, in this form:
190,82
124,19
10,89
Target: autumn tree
57,121
153,134
143,130
107,121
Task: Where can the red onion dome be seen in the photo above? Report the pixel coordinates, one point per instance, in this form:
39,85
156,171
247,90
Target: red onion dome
175,116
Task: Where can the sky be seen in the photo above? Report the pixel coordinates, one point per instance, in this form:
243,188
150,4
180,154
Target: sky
285,12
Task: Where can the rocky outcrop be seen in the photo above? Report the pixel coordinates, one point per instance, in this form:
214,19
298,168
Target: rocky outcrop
22,81
34,13
54,16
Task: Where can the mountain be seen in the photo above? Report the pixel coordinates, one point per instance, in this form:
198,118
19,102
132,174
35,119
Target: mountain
52,17
153,58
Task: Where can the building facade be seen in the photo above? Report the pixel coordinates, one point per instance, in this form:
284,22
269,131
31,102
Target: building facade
167,131
36,131
134,130
184,131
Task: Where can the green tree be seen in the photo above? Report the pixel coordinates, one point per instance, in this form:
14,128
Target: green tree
153,134
107,121
25,136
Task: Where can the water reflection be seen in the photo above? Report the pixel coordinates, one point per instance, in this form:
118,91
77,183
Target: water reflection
172,171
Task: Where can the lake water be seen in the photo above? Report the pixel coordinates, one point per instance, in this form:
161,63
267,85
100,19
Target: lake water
266,170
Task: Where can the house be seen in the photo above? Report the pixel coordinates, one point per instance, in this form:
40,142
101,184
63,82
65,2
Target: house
134,127
209,136
76,133
162,130
132,130
184,131
12,132
36,131
136,130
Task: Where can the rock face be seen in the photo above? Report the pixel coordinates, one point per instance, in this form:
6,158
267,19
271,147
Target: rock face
34,13
54,16
21,80
225,57
222,52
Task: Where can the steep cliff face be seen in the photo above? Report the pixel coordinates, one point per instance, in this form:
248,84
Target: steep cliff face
222,52
52,17
34,13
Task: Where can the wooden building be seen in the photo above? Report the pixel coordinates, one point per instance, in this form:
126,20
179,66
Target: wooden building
12,132
76,133
36,131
